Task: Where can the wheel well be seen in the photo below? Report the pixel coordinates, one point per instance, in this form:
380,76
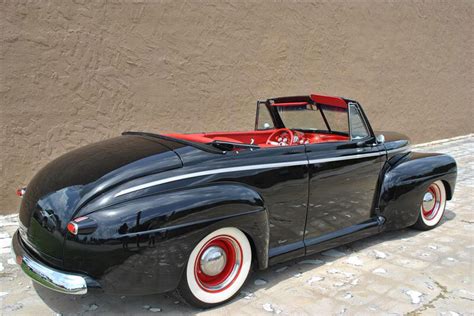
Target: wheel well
258,262
449,191
254,249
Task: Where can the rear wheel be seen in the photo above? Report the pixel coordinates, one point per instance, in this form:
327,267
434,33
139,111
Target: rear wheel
217,268
432,207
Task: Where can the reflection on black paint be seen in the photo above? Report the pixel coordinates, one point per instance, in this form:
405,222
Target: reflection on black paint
143,239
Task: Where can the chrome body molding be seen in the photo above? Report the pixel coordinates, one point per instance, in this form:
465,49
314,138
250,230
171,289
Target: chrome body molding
350,157
399,150
211,172
255,167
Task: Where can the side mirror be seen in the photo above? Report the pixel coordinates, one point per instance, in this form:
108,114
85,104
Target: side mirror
380,139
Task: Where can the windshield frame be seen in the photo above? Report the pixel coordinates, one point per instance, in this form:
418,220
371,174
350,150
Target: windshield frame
278,121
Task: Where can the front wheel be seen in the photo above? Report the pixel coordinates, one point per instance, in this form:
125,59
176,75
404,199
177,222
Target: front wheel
217,268
432,206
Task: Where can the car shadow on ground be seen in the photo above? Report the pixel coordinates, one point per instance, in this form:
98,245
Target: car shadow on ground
101,303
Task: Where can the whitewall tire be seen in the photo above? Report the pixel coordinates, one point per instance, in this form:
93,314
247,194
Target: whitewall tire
217,268
433,205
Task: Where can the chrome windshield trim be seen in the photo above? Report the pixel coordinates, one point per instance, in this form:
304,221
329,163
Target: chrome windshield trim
244,168
51,278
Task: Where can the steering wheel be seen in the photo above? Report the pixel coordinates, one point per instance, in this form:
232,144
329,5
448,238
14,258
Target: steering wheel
281,137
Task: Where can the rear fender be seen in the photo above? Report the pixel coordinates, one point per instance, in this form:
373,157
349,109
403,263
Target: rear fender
150,238
406,180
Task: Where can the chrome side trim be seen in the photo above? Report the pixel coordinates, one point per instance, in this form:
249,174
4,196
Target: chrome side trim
53,279
401,149
247,168
211,172
358,156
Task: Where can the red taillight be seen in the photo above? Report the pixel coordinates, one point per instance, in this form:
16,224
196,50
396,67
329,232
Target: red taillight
82,225
19,260
20,192
72,228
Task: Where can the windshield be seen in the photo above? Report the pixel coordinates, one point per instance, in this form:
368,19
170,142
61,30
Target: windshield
306,116
337,118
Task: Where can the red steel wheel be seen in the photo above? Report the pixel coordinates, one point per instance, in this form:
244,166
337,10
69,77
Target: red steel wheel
217,268
432,206
218,263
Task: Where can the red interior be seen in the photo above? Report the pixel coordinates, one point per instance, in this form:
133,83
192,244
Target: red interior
259,137
274,137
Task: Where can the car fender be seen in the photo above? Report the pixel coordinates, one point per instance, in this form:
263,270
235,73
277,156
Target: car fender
150,238
404,181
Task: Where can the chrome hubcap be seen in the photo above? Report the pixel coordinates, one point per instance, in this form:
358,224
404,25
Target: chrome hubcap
432,201
428,201
213,261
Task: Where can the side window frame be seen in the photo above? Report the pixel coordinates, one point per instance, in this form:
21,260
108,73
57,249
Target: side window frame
354,105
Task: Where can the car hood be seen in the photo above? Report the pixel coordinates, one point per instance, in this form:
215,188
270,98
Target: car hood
58,190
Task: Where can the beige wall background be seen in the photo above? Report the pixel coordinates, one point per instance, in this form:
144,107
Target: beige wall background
74,72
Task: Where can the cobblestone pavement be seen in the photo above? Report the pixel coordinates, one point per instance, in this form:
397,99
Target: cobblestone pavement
403,272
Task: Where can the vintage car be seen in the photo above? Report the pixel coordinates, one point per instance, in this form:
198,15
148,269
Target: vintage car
147,213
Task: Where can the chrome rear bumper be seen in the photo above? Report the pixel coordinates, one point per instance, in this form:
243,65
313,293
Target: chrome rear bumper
51,278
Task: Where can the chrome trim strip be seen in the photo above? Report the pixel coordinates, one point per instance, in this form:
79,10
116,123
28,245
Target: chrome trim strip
358,156
401,149
211,172
53,279
244,168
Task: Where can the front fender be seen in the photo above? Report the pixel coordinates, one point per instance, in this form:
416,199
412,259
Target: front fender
147,241
406,180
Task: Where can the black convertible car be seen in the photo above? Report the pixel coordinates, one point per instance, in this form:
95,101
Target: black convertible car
145,213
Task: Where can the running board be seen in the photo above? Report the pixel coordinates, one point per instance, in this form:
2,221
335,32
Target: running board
327,241
344,236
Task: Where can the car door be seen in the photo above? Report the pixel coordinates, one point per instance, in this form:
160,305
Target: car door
285,192
342,183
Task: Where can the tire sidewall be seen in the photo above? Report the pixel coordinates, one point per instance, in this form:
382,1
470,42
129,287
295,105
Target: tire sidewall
207,299
435,220
424,224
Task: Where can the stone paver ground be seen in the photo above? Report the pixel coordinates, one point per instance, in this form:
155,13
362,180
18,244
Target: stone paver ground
403,272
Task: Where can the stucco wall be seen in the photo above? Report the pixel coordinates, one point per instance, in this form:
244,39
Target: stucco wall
76,72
